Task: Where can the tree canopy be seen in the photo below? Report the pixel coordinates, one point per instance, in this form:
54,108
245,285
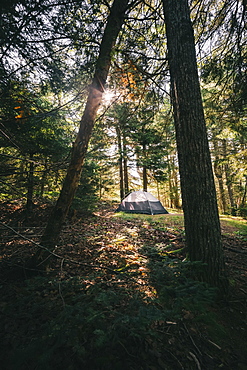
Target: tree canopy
56,56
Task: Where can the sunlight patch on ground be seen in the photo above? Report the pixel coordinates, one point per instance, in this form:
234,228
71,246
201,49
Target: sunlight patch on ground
233,224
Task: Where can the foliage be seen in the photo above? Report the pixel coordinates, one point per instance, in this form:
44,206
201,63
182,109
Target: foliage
94,326
87,192
51,48
243,212
121,296
36,136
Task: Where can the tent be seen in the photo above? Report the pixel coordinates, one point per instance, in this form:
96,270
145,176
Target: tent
141,202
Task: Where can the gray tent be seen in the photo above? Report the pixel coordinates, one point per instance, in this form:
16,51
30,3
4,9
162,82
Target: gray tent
141,202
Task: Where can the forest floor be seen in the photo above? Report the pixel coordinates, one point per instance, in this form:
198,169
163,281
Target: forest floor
118,295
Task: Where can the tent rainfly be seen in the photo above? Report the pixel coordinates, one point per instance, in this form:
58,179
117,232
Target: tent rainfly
141,202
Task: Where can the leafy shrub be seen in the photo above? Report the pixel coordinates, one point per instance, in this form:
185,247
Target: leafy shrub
243,212
86,195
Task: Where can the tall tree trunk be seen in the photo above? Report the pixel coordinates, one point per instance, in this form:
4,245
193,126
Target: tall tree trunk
158,190
125,166
170,192
173,183
229,180
120,161
176,188
144,178
43,179
202,226
144,169
219,175
59,213
170,181
243,200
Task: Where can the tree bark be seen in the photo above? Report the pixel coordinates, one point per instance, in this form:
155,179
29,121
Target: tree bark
202,226
96,89
144,168
43,179
229,180
120,161
243,201
219,175
125,166
173,183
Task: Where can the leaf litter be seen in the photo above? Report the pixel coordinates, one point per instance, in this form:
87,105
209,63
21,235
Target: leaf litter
142,310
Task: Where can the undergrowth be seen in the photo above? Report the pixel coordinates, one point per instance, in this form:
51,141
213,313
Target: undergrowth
131,304
96,323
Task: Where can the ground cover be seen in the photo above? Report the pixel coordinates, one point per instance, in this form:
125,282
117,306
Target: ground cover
118,295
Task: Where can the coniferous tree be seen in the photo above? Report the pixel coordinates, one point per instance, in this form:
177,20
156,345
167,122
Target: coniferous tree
59,213
202,226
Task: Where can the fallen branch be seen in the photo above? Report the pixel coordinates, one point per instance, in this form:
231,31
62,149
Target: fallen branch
53,254
196,360
30,240
192,340
172,354
235,250
214,344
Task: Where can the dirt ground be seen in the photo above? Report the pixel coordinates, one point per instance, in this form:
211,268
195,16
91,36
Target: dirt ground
103,237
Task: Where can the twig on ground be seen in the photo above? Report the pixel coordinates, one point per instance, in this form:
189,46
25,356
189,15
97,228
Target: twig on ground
171,354
214,344
68,260
196,360
192,341
235,250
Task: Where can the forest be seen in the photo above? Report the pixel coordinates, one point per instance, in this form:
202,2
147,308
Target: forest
99,98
